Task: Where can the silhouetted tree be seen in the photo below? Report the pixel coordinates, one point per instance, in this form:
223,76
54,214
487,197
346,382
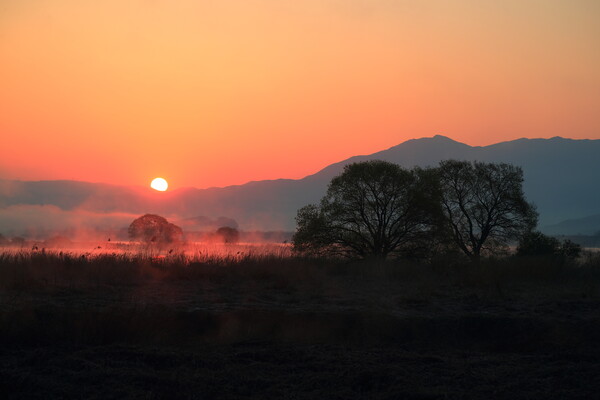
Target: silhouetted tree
570,249
373,209
484,205
154,229
537,244
228,234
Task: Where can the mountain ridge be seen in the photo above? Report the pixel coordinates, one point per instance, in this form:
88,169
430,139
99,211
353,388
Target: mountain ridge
559,177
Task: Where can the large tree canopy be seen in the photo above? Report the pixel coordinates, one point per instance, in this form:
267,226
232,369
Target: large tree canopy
484,205
373,208
154,229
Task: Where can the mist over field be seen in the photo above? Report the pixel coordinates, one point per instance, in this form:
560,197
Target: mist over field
559,175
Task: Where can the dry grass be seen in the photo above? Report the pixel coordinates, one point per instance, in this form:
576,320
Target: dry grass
246,318
24,269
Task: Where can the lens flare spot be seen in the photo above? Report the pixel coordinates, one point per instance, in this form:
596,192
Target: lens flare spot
159,184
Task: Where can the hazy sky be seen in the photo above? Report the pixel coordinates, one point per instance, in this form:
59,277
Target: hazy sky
212,93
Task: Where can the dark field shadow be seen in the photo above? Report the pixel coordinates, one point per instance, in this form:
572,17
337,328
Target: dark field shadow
281,327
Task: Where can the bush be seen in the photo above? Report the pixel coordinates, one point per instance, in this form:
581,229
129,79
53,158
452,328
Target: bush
228,234
537,244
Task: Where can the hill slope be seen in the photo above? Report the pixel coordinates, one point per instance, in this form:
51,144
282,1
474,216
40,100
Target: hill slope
561,178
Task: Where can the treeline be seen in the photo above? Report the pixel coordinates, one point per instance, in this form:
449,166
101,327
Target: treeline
377,209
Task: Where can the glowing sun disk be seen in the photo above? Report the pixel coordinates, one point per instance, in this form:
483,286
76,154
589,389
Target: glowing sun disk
159,184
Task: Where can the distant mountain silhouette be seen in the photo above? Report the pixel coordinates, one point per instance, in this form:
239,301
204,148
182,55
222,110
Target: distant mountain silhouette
589,225
561,178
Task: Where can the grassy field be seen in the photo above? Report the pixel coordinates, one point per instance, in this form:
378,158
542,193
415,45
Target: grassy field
256,322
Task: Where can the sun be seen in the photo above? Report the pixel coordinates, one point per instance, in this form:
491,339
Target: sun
159,184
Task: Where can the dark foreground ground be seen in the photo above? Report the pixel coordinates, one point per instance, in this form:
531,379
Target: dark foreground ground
294,371
127,327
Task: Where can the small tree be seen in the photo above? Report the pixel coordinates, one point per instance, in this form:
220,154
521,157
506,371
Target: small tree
570,249
154,229
484,205
373,209
537,244
228,235
313,235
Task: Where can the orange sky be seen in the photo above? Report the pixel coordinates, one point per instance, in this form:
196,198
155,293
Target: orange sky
212,93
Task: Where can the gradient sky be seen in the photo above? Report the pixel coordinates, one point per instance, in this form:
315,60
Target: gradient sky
213,93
